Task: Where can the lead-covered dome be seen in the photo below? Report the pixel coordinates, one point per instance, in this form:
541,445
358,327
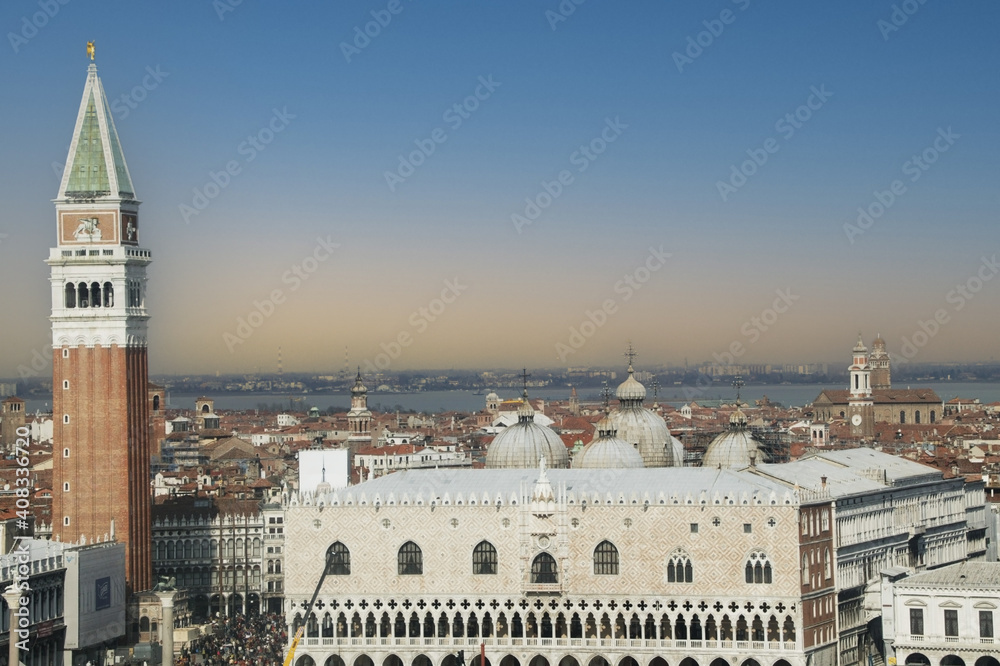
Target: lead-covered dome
607,451
736,448
642,428
524,443
631,388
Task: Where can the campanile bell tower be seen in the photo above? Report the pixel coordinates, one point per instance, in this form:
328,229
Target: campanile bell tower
101,456
861,407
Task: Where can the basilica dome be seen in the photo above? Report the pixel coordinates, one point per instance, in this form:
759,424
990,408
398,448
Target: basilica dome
607,451
522,444
642,428
736,448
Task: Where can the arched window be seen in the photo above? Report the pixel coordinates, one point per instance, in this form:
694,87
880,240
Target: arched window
109,295
95,295
484,559
805,569
916,416
338,560
543,569
82,295
410,560
902,416
758,569
606,559
679,569
827,564
933,416
70,295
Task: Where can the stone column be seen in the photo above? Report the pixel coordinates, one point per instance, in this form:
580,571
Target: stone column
12,595
167,626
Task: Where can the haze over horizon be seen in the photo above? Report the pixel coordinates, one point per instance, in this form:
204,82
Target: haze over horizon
688,197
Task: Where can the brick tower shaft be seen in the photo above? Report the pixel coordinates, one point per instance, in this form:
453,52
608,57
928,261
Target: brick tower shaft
101,449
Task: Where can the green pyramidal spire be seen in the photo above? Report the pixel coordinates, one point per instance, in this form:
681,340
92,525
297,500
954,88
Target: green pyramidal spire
96,165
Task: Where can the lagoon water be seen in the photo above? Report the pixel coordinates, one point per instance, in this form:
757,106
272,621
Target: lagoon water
467,401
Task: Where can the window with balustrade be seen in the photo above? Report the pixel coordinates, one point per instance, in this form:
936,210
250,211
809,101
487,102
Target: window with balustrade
985,624
544,570
951,623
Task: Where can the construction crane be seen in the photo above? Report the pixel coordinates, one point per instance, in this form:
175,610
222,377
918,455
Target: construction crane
305,620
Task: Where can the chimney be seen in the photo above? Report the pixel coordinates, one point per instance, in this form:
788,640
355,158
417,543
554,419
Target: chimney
822,482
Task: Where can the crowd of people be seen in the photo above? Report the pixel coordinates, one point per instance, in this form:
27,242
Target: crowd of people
239,640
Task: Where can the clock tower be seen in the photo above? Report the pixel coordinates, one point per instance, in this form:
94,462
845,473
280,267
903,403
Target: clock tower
860,407
101,454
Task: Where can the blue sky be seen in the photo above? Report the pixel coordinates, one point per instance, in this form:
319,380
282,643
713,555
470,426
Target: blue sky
886,95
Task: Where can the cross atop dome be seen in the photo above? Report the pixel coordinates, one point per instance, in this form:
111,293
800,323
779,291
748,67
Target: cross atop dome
738,384
524,380
630,354
606,394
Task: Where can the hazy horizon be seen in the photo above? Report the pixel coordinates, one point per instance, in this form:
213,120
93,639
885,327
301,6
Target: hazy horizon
652,239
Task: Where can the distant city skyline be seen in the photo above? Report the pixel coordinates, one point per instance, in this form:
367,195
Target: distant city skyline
471,185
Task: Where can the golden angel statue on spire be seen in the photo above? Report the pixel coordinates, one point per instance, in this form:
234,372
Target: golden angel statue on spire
90,50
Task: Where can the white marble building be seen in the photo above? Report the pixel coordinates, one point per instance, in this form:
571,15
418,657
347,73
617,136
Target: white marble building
945,617
634,567
889,512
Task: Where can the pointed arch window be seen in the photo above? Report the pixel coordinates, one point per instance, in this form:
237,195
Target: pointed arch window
484,559
679,568
543,569
758,569
338,560
410,560
606,559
